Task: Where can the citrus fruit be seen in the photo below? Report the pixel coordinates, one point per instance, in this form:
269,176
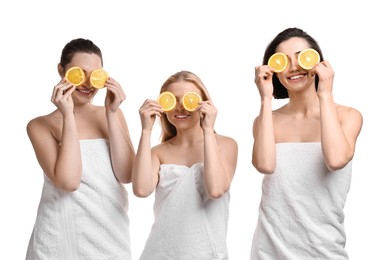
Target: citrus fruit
98,78
308,58
167,100
191,100
75,75
278,61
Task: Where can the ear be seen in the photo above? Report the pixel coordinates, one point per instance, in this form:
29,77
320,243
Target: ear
60,70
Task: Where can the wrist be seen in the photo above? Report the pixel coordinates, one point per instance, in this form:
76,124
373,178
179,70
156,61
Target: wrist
208,131
146,131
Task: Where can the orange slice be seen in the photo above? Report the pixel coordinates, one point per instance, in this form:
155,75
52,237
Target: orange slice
278,61
308,58
75,75
191,100
98,78
167,100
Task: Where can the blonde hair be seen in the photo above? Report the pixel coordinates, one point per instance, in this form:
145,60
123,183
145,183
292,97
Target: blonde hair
168,129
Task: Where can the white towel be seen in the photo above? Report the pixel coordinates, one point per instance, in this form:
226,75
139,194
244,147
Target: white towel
89,223
301,211
188,225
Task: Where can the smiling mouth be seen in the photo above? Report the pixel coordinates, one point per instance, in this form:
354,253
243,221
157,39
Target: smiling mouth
298,76
85,91
182,116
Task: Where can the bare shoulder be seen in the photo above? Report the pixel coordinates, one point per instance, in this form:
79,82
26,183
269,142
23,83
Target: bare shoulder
39,122
226,141
46,124
351,121
348,113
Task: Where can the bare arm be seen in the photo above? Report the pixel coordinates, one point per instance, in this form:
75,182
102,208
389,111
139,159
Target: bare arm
122,152
220,154
220,162
264,155
146,166
61,162
121,149
339,131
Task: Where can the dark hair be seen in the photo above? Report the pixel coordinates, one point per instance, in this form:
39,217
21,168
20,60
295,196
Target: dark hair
78,45
280,92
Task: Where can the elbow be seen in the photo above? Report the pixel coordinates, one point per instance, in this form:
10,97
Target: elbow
140,192
69,186
264,168
336,164
215,194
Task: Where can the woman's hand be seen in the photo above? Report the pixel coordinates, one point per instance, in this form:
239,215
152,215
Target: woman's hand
207,112
326,74
114,96
62,96
263,80
148,113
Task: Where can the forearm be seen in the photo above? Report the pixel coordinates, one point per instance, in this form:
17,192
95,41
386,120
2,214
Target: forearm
68,167
263,156
121,149
335,146
143,179
217,179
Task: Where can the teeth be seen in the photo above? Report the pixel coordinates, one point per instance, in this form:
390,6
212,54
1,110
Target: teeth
296,77
181,117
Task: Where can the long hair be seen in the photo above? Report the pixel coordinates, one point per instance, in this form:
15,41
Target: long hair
280,92
168,129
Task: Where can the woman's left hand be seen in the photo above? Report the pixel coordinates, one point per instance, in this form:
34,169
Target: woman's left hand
326,75
114,96
207,112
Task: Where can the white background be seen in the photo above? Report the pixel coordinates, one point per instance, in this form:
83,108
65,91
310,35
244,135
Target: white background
144,42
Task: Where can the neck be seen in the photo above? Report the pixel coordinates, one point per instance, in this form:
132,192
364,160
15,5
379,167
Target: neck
304,103
189,136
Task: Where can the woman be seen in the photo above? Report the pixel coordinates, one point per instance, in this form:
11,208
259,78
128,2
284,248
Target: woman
190,172
86,153
305,149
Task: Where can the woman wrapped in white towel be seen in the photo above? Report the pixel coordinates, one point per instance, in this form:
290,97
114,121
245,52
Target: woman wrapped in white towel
86,154
190,171
305,150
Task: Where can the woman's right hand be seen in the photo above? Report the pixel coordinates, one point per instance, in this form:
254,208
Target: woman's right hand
263,80
148,112
62,96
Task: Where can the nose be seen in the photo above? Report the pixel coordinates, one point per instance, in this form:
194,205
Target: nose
293,63
179,105
86,83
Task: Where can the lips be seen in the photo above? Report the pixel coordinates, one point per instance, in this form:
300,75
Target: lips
85,91
182,117
297,76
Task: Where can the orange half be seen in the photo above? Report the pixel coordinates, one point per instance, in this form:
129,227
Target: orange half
191,100
98,78
167,101
75,75
308,58
278,61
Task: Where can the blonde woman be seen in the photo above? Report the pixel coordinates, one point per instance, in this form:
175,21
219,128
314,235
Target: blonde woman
190,172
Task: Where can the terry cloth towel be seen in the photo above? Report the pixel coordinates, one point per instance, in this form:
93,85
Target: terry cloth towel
301,210
89,223
188,225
